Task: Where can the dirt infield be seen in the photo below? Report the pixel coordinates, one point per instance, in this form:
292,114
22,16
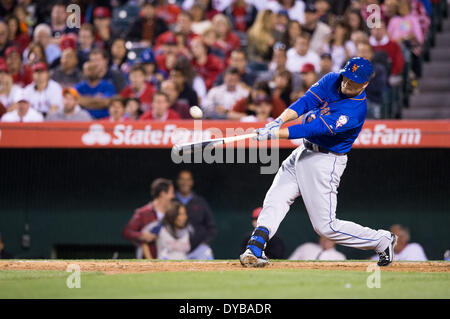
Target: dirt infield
116,267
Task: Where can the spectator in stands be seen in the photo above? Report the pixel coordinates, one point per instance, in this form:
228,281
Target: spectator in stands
377,85
354,20
36,53
22,112
263,111
199,21
42,34
118,55
187,94
246,106
4,38
275,248
171,234
261,37
301,54
323,11
337,46
295,9
160,110
404,250
318,31
356,38
116,110
100,58
16,36
294,30
220,99
181,107
380,41
324,250
133,109
95,92
152,74
227,40
3,253
103,31
58,21
86,37
326,64
283,86
8,89
148,26
279,58
162,193
67,73
200,217
167,11
308,77
206,65
139,88
45,95
238,60
183,26
71,110
241,15
21,73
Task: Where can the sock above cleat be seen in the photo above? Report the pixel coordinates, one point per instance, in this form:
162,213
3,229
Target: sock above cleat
258,240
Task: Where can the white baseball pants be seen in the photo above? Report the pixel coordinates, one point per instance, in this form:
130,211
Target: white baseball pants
316,176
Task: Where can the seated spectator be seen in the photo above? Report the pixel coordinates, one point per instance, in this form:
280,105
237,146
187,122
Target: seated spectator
16,36
152,74
301,54
227,40
7,88
43,35
95,92
181,107
3,253
71,110
238,60
45,94
199,21
246,106
317,30
308,77
167,11
22,112
4,38
162,193
100,58
241,15
324,250
283,86
404,250
58,21
133,109
263,110
294,30
337,46
148,26
281,26
139,88
261,37
187,93
324,11
171,234
326,64
102,24
212,7
36,53
354,20
116,110
377,85
275,248
356,38
206,65
21,73
118,55
220,99
295,9
86,37
380,41
199,215
160,110
183,26
67,73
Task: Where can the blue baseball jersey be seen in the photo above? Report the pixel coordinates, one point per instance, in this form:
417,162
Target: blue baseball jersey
331,119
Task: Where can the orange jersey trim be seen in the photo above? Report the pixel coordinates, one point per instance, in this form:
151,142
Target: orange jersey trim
326,124
316,96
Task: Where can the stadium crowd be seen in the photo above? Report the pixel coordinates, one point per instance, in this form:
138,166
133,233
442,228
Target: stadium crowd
237,59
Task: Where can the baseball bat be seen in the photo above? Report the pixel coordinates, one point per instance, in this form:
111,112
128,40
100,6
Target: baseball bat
188,148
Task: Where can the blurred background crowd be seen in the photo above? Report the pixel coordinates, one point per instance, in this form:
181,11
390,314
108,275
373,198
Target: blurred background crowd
115,60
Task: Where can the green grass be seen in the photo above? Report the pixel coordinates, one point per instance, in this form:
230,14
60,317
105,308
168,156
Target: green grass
260,283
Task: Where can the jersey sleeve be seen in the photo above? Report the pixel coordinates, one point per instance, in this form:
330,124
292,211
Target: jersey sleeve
313,97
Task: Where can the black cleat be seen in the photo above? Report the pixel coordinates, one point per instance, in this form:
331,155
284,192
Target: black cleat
387,256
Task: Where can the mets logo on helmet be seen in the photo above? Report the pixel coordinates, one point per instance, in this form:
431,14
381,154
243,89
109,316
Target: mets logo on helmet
355,67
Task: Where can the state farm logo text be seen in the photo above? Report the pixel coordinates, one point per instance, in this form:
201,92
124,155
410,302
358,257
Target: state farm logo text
382,135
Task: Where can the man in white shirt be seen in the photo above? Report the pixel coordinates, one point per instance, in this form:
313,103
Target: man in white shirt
323,251
404,250
23,112
301,54
44,94
220,99
8,89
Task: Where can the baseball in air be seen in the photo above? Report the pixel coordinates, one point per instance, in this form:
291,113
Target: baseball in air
196,112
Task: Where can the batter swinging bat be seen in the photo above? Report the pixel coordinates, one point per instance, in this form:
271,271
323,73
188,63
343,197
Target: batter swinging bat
188,148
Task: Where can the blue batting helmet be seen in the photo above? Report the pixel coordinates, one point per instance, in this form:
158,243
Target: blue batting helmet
358,70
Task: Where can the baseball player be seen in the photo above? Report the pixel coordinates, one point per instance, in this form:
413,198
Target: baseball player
332,113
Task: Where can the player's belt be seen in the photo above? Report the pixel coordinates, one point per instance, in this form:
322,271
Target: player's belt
316,148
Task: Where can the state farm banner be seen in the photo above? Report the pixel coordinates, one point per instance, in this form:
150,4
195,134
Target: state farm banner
375,134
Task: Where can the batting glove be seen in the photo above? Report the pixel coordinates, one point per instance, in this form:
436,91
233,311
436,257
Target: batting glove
269,131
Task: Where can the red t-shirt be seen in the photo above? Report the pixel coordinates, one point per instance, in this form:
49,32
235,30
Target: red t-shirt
169,36
210,70
395,54
168,12
171,115
239,18
145,96
24,77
